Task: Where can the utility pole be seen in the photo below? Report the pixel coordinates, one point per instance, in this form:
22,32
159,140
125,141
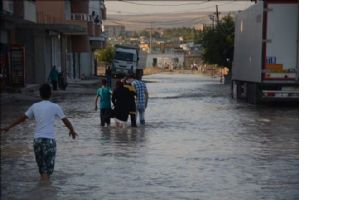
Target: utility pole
212,18
150,37
217,15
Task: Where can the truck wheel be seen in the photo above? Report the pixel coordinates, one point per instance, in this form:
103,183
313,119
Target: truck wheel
253,93
239,90
234,90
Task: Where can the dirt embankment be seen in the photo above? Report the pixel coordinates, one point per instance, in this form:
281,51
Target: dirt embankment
156,70
151,70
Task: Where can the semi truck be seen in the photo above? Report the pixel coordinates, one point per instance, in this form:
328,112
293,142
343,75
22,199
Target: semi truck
265,61
126,61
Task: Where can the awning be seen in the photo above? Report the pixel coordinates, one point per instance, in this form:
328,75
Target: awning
102,39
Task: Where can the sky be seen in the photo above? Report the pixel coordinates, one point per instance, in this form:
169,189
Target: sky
137,15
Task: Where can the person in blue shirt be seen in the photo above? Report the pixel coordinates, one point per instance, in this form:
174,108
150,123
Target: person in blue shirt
104,93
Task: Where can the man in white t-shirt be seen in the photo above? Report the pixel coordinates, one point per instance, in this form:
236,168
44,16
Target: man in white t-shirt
44,144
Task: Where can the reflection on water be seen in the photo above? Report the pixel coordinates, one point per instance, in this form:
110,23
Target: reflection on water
198,144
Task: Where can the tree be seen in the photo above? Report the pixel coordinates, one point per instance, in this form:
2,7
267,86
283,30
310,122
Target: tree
218,43
106,55
188,34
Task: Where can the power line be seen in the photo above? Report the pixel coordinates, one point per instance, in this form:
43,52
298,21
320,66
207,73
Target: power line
177,12
173,22
182,22
212,6
187,22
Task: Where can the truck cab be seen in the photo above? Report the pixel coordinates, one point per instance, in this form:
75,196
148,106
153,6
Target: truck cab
125,61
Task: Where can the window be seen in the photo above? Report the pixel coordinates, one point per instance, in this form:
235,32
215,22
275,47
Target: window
124,56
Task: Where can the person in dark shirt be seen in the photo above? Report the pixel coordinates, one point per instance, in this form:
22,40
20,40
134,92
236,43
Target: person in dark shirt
53,77
122,99
108,74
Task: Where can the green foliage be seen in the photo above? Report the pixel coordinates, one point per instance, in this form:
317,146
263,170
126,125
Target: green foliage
106,55
143,33
218,43
188,34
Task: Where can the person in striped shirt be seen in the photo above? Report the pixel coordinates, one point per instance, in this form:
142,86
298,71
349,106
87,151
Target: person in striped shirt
141,98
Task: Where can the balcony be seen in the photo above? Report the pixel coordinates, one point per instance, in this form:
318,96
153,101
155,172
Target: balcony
94,29
81,17
84,20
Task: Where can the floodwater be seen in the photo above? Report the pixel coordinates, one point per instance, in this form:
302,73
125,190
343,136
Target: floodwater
198,143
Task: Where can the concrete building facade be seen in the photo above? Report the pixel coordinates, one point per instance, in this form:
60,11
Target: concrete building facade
80,45
18,31
35,35
170,61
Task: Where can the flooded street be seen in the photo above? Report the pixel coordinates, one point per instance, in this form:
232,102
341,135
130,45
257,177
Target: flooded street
197,143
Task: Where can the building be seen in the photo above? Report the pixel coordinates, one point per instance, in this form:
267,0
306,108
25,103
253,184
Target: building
165,61
55,19
89,14
36,35
199,27
19,39
144,47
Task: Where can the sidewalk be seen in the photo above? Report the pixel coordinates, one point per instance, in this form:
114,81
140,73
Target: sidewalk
20,94
31,91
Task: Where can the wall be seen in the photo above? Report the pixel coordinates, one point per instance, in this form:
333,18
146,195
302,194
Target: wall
38,49
82,65
50,11
85,64
165,59
80,6
56,52
18,8
95,6
80,43
42,45
25,37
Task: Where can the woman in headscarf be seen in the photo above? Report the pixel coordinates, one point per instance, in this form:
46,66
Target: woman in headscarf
122,100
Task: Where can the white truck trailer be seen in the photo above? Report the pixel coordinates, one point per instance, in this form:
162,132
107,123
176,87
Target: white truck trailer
126,61
265,64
